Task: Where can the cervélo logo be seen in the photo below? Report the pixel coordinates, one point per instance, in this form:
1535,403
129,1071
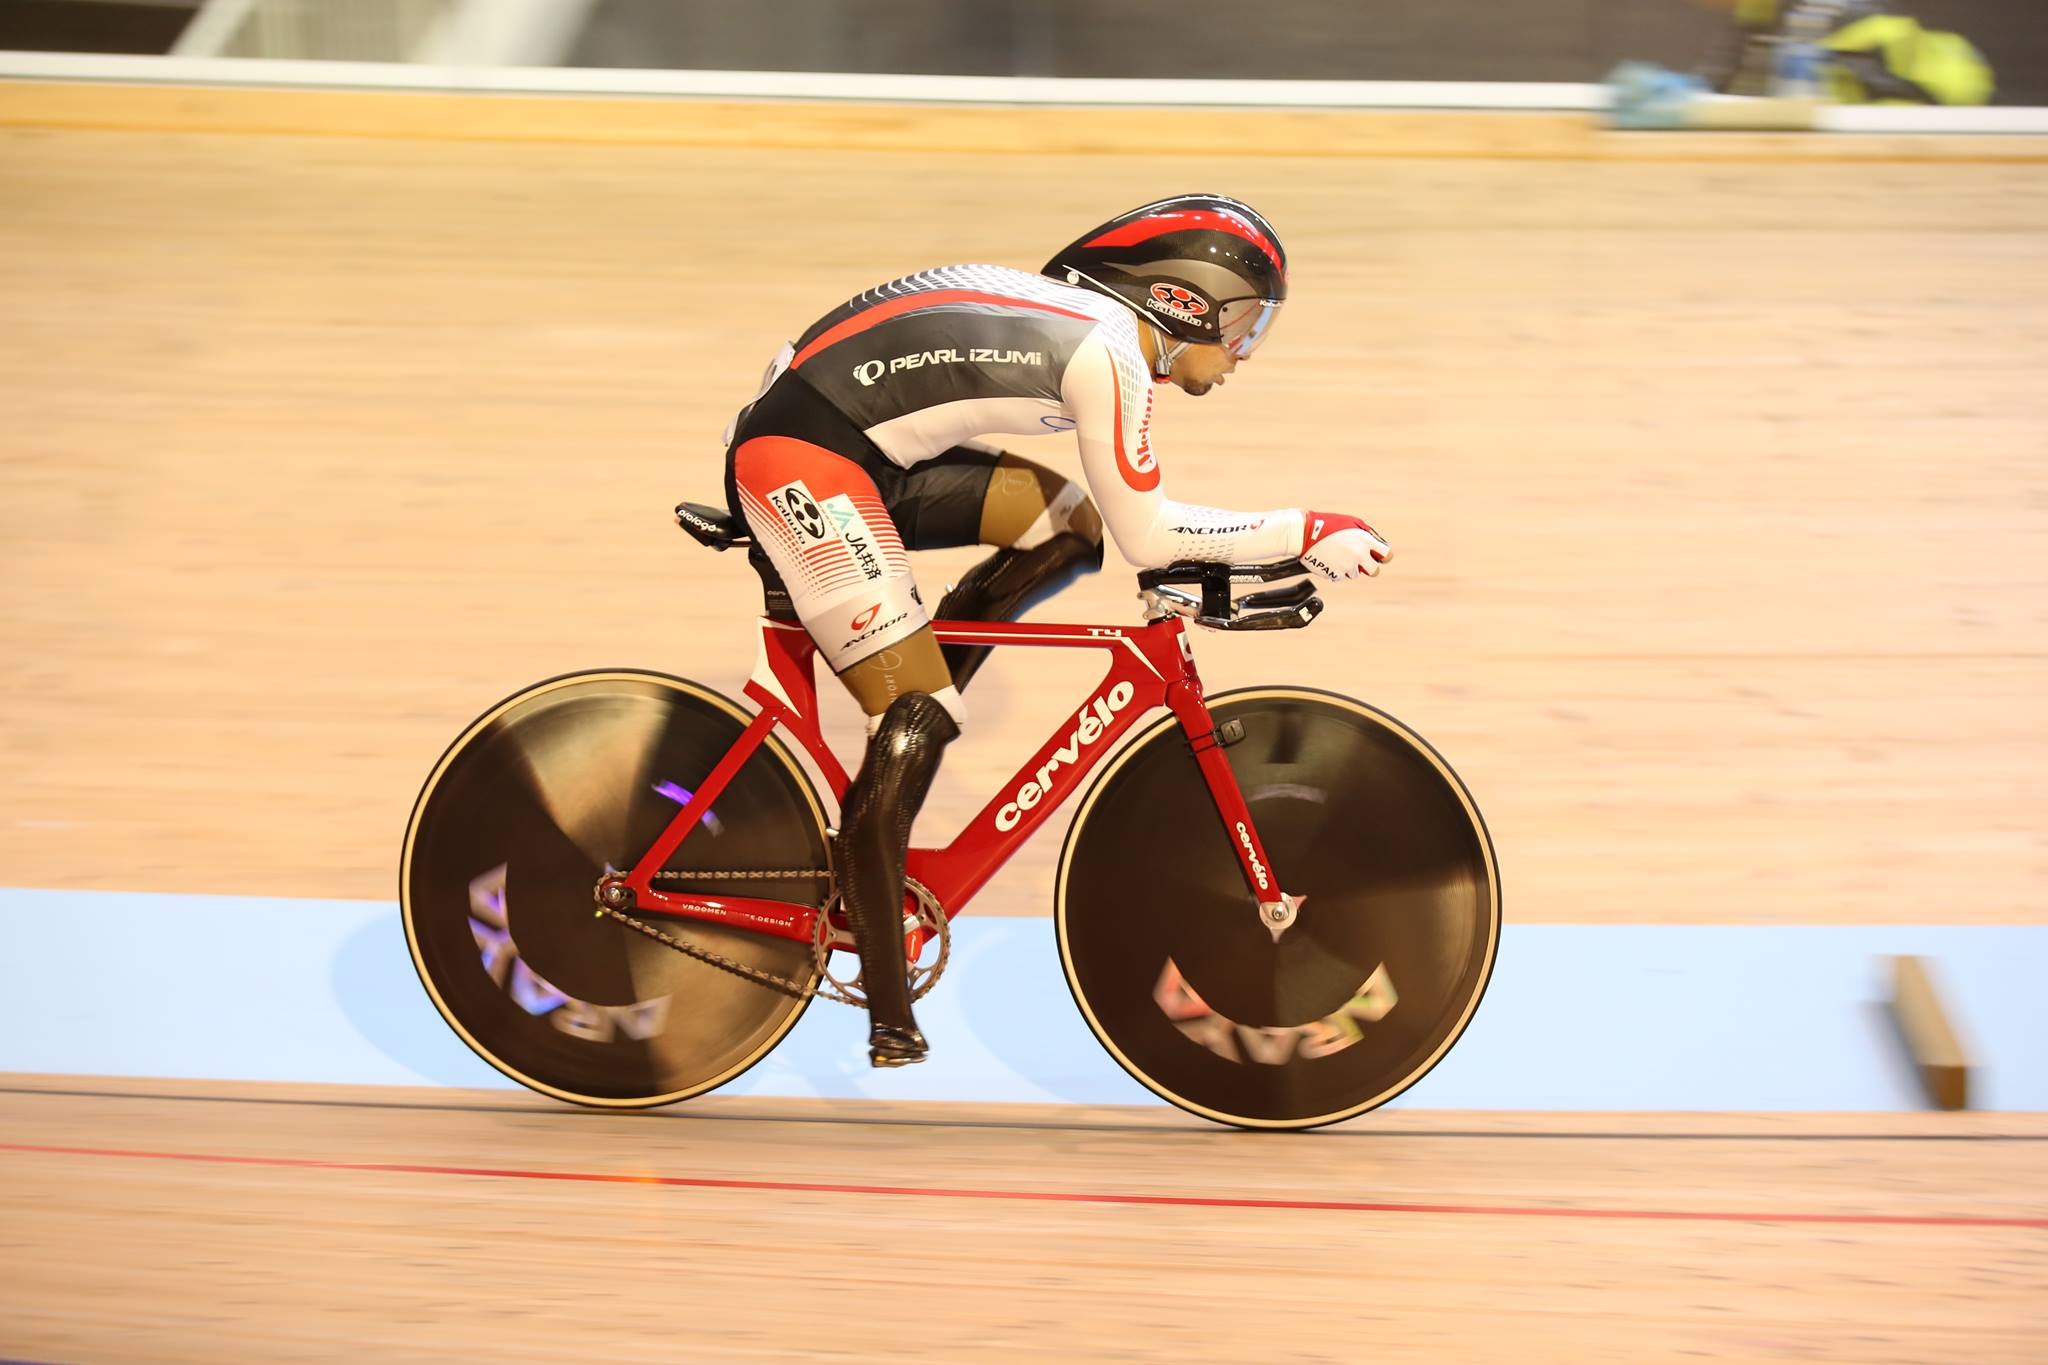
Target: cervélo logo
1177,301
1244,836
1089,725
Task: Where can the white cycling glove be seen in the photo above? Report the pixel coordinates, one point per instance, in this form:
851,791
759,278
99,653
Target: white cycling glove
1338,546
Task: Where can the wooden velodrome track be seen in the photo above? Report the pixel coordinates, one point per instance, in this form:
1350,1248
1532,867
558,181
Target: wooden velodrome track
1718,476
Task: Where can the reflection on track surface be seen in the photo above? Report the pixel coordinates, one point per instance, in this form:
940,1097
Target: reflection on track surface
255,1221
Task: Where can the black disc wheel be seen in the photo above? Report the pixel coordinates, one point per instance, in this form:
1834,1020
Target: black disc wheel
1380,972
523,814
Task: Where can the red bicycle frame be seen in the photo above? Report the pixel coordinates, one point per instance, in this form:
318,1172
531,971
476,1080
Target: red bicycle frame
1150,666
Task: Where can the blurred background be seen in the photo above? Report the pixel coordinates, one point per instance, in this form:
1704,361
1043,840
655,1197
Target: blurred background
1451,40
342,402
1712,460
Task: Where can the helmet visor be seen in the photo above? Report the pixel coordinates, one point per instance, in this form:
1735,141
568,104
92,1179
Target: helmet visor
1241,324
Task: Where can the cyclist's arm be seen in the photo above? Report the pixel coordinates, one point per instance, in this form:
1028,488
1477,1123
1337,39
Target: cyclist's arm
1108,392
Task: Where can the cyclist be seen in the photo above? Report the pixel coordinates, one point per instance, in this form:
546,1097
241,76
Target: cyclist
865,441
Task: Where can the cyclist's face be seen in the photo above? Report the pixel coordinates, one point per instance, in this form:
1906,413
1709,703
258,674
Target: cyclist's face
1201,368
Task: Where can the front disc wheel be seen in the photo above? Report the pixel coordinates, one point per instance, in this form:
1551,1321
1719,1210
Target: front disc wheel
1364,993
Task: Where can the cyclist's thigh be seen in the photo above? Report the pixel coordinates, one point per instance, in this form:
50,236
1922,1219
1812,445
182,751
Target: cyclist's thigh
821,521
975,497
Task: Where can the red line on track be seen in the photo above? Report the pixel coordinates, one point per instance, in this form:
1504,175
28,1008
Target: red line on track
1044,1196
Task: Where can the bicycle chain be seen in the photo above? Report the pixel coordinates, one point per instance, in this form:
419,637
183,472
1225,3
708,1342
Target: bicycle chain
824,986
735,874
705,955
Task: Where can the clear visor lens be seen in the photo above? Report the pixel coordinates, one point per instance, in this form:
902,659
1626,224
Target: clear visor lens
1242,324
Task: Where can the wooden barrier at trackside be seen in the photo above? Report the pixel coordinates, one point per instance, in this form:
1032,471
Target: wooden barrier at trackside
1931,1040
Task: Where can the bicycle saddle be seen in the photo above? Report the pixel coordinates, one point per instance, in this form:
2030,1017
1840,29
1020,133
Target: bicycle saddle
721,530
713,526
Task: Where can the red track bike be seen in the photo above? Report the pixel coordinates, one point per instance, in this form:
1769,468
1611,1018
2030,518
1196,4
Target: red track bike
1277,907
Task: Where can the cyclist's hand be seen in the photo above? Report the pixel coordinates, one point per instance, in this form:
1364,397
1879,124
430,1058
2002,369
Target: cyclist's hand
1338,547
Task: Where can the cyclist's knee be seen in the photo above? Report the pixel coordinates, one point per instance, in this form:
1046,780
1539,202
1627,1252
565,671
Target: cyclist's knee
1080,524
913,664
948,698
1027,505
1086,522
1069,511
1068,552
916,719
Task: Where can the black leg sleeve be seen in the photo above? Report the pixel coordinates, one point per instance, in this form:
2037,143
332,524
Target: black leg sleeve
874,834
1008,583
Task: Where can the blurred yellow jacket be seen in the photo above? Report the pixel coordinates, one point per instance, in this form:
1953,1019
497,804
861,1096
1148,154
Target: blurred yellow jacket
1937,68
1875,57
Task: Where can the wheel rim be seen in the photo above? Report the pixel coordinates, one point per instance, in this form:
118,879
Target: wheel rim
1370,987
508,839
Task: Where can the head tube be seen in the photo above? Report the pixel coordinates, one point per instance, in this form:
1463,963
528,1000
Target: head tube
1242,324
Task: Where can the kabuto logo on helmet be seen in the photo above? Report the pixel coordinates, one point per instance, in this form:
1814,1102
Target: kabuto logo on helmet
1177,301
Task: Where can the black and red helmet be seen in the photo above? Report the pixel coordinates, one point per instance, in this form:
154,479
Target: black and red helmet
1199,267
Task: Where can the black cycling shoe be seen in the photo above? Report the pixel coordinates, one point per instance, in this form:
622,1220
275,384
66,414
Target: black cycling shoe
890,1046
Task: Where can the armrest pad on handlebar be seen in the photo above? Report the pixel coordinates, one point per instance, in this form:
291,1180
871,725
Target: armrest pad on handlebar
1216,581
1283,618
1293,595
1203,571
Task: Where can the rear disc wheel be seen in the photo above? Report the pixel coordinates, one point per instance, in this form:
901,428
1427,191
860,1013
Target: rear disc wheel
536,800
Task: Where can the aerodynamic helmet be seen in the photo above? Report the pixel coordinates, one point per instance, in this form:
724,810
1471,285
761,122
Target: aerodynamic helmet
1198,267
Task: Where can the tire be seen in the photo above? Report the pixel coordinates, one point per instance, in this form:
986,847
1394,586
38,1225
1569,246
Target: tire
1375,980
506,842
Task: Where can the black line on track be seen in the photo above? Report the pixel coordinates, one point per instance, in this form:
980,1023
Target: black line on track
572,1114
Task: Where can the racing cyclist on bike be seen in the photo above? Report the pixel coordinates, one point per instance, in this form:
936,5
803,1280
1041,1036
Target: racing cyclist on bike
864,442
